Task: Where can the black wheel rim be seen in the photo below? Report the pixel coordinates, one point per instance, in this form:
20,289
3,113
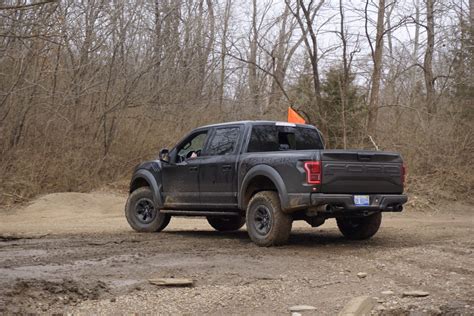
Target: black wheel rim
262,220
145,211
354,223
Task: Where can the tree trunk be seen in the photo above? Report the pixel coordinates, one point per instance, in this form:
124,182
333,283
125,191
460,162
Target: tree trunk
252,65
343,82
416,40
279,62
377,72
471,15
224,51
428,60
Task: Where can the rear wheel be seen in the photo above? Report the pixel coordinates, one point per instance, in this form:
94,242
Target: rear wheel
359,228
142,214
226,223
267,225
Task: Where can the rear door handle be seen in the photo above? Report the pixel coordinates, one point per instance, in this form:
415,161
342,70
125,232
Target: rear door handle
226,167
195,168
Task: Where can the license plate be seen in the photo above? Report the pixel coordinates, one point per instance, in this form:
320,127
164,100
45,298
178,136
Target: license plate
361,200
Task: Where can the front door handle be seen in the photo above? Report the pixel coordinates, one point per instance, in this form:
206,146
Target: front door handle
226,167
195,168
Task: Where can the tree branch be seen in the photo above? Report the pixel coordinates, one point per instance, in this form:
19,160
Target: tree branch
27,6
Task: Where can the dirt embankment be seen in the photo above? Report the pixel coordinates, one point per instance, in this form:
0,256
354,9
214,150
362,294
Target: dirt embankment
74,252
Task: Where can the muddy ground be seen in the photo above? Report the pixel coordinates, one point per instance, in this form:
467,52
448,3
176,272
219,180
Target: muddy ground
74,253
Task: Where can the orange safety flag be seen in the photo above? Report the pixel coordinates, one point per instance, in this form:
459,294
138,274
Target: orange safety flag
294,117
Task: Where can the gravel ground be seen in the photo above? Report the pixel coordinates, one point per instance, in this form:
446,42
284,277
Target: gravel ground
74,253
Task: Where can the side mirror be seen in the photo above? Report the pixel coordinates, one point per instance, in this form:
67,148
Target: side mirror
164,155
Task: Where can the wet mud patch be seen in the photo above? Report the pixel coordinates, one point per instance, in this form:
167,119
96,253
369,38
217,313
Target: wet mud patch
33,295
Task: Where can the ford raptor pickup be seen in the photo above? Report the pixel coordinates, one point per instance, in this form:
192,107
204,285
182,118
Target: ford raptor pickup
266,175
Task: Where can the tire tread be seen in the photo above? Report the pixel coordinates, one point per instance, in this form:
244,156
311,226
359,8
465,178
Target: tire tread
281,229
161,221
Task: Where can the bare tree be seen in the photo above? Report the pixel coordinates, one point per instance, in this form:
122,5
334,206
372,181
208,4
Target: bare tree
26,5
377,55
305,16
428,60
252,58
345,74
223,53
416,41
281,55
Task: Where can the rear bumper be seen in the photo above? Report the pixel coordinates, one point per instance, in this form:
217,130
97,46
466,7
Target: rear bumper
345,202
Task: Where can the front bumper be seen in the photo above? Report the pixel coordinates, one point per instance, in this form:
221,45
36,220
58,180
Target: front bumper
345,202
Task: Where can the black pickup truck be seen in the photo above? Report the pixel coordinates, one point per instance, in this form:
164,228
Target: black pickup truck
266,175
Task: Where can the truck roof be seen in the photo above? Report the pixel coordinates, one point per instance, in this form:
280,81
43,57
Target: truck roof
257,122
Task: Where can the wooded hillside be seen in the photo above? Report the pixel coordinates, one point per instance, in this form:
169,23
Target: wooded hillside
90,88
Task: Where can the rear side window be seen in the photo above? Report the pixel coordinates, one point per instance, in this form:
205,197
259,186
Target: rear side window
280,138
224,141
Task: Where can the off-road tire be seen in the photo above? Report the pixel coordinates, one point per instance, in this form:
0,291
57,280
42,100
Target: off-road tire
262,205
226,223
137,201
359,228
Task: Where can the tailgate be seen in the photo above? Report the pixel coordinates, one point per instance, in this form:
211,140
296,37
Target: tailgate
361,172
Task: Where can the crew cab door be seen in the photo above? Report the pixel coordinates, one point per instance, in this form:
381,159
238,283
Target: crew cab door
180,177
217,171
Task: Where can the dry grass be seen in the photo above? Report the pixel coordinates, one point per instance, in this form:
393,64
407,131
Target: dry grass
438,162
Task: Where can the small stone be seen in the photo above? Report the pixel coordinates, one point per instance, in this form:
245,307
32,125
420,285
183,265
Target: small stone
362,275
415,293
113,300
387,292
361,305
296,314
171,282
301,308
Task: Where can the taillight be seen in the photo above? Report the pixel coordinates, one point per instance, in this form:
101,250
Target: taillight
313,172
404,172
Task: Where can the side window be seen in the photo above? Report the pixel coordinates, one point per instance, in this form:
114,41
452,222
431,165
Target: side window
224,141
263,138
192,147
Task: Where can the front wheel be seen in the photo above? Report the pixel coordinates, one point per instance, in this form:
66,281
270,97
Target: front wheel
142,214
359,228
267,225
226,223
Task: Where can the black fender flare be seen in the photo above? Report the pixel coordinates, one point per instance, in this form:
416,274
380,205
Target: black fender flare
156,187
270,173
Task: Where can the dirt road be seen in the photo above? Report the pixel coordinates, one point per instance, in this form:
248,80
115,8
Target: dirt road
74,252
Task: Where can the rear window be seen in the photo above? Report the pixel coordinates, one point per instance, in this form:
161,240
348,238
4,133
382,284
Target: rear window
281,138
